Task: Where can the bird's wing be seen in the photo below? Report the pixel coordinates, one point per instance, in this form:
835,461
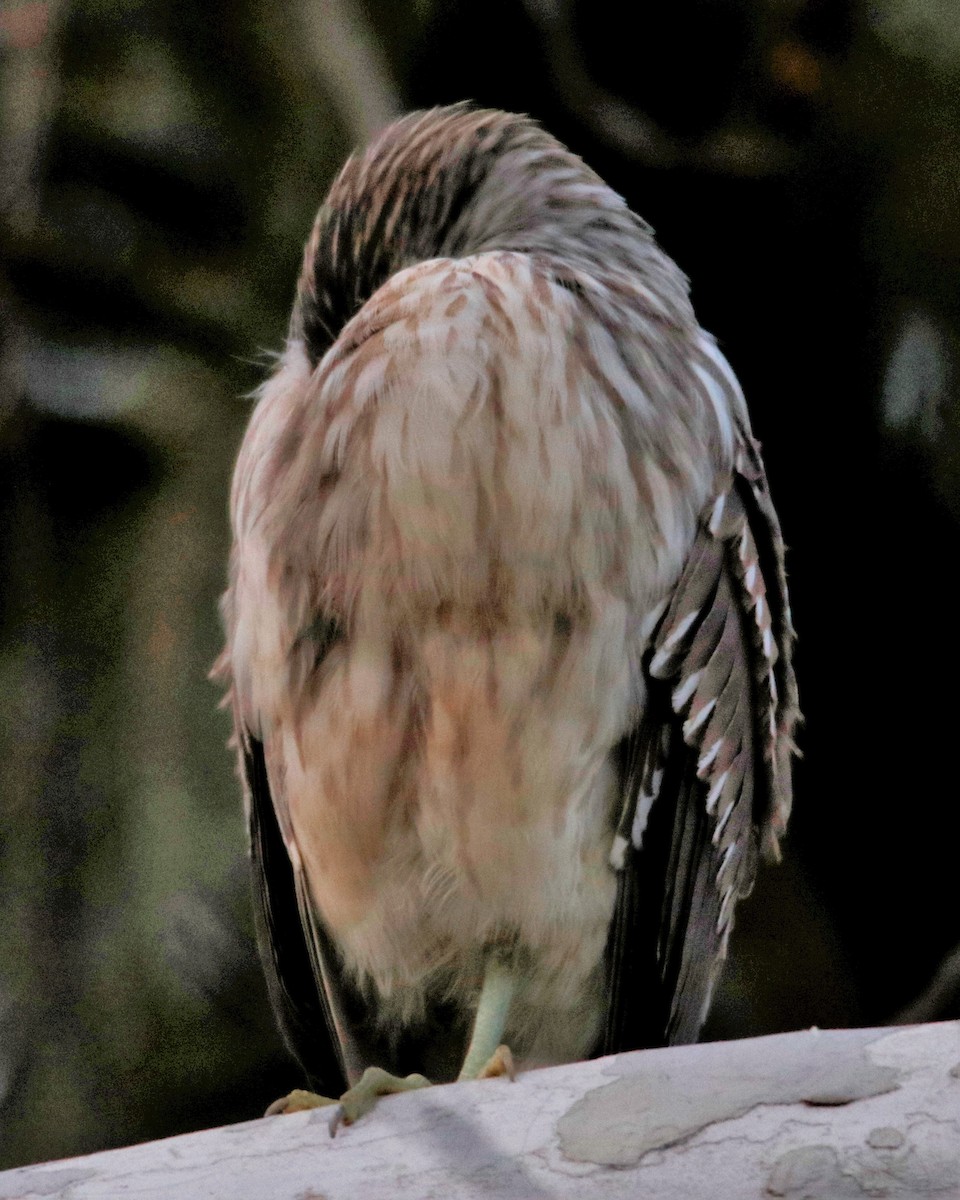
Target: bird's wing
706,774
292,961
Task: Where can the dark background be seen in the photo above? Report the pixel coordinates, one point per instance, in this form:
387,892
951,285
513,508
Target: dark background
160,163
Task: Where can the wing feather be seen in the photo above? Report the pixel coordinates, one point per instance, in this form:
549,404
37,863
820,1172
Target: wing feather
707,767
290,960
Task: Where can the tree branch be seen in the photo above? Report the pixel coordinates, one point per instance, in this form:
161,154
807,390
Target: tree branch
839,1113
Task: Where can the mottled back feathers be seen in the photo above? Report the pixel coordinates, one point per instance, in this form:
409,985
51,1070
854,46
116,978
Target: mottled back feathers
507,630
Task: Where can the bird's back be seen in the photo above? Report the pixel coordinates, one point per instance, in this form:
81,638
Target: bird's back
459,519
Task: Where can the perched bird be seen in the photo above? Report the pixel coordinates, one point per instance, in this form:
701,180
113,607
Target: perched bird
508,639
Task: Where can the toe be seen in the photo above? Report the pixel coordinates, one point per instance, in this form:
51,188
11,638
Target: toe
499,1063
297,1101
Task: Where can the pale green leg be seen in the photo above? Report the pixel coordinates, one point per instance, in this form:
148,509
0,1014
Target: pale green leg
485,1054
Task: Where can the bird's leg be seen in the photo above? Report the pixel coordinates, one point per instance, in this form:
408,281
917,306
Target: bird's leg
486,1056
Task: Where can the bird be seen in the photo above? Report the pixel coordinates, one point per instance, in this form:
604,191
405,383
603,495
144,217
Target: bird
508,640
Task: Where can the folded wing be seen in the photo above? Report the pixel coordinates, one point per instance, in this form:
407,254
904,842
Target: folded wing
706,774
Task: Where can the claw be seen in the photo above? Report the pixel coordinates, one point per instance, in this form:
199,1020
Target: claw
499,1063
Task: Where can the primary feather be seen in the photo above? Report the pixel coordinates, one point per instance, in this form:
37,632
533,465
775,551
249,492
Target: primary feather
507,630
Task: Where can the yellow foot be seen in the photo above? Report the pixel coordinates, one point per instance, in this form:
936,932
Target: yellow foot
499,1063
298,1101
374,1083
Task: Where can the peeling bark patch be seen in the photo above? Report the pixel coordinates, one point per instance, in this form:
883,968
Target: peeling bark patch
39,1181
810,1172
885,1137
924,1166
674,1094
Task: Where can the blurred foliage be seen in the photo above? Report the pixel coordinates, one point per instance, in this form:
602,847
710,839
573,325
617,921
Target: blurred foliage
160,163
925,29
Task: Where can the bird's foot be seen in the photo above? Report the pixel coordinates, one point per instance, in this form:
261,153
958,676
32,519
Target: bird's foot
499,1063
358,1100
374,1083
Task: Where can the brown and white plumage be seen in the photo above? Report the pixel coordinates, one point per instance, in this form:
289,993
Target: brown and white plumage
507,630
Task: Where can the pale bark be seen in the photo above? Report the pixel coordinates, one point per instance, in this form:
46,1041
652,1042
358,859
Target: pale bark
835,1114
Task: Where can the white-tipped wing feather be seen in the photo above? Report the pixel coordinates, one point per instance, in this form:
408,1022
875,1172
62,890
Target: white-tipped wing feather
712,752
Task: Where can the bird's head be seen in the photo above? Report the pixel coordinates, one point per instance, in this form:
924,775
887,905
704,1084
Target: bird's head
458,181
